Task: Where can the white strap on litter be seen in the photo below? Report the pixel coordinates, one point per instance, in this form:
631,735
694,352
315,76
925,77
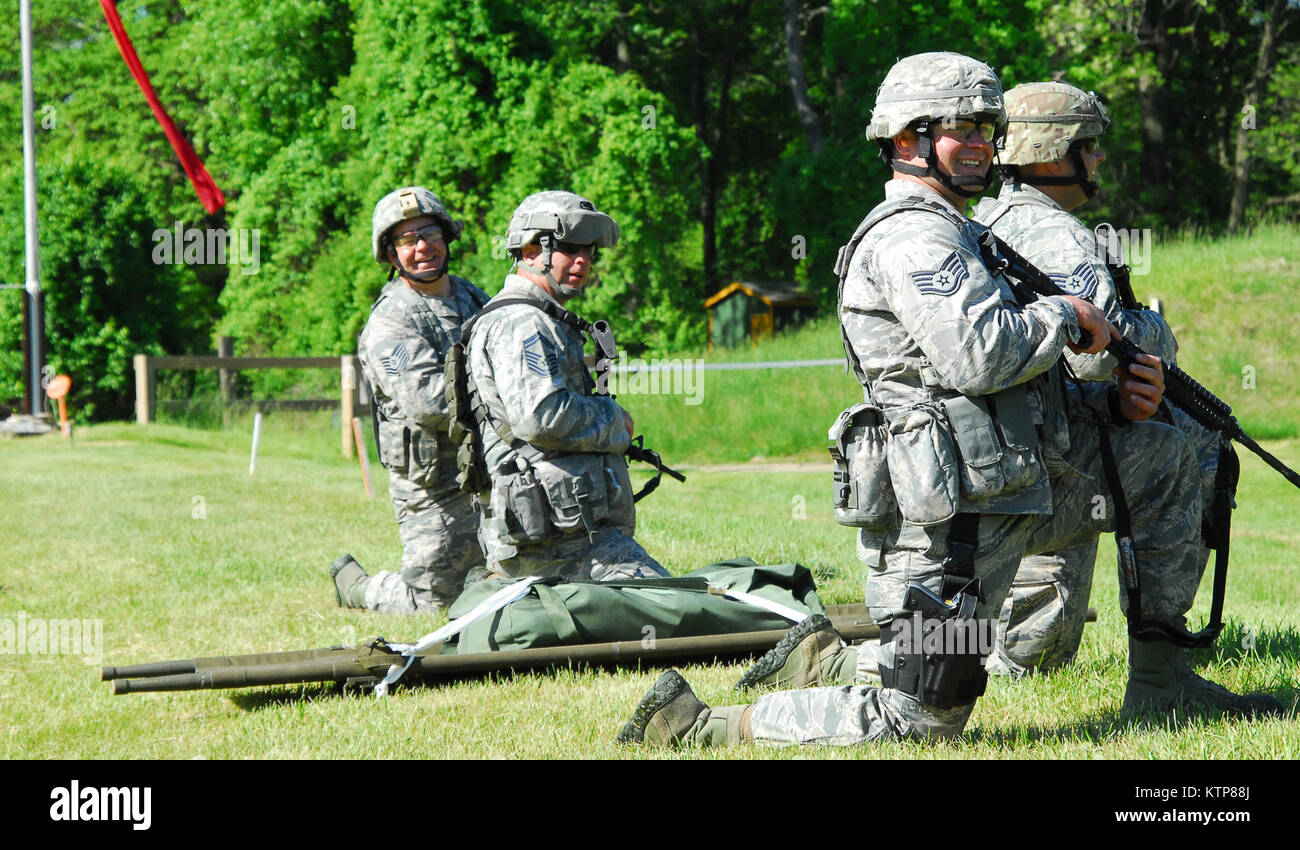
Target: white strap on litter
758,601
492,604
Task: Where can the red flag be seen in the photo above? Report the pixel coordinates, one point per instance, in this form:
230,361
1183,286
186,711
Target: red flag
209,194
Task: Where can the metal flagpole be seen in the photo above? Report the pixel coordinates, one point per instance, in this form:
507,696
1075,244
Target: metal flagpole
36,327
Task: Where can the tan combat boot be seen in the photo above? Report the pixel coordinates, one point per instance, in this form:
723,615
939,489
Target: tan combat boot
671,716
1160,678
811,653
349,582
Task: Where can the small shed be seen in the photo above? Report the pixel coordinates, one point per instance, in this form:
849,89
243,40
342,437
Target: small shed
745,310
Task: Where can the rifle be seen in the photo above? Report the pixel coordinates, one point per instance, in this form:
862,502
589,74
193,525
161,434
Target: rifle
1180,388
636,450
606,353
364,666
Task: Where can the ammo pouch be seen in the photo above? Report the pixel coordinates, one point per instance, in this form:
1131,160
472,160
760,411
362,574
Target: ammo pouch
997,441
410,451
923,466
472,475
550,497
937,656
863,496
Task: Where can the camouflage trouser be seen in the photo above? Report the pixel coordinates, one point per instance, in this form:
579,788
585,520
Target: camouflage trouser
1041,623
1160,475
439,549
613,555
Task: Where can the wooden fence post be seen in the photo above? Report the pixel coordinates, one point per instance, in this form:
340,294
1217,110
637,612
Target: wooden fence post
348,365
146,393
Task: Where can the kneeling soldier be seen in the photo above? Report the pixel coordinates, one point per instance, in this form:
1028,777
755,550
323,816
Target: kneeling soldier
558,500
983,454
416,319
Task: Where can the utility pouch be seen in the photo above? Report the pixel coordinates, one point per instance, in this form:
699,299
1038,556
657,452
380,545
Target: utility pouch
394,445
576,490
977,441
526,509
422,459
923,467
863,496
1015,420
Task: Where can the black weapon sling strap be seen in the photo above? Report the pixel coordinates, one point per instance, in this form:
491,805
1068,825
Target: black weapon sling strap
1014,265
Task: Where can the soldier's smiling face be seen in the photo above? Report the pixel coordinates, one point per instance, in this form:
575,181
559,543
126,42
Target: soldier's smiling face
419,252
961,149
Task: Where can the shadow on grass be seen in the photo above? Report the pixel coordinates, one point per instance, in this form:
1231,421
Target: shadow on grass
1237,641
1110,726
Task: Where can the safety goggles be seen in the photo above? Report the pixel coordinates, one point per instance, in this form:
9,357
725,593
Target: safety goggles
573,249
1087,145
964,131
410,237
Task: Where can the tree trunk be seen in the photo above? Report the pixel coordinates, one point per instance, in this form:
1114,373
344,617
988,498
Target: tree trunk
1254,93
812,129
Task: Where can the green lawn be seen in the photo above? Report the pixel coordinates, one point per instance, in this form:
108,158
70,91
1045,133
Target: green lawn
161,537
161,534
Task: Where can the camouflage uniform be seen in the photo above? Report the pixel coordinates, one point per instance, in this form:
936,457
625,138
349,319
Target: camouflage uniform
1042,621
969,453
560,501
922,338
401,351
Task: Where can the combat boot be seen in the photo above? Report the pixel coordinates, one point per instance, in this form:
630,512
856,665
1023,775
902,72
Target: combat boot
811,653
1160,678
670,715
349,582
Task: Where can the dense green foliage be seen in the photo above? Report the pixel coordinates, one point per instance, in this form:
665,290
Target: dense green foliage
679,119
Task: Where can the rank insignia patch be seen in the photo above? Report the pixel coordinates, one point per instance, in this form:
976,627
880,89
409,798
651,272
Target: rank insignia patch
1081,282
539,358
944,280
395,361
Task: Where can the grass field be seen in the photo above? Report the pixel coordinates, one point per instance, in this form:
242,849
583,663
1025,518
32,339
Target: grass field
160,534
161,537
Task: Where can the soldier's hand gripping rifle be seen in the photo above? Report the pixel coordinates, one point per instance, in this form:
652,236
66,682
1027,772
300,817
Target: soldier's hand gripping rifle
606,353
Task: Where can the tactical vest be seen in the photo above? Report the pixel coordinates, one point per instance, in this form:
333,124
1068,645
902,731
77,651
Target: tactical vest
405,446
950,453
531,495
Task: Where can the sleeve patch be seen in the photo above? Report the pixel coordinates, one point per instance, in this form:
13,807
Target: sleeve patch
539,356
395,361
1081,282
944,280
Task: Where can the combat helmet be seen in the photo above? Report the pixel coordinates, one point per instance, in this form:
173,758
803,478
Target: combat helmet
1044,122
398,206
928,88
548,218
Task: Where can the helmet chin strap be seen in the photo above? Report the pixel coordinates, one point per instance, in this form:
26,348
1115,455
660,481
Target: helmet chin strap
965,185
547,241
1079,178
431,276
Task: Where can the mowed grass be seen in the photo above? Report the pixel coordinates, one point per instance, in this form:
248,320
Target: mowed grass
162,535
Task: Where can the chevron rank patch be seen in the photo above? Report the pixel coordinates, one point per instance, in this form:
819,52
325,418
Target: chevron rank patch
944,280
1081,282
539,356
395,361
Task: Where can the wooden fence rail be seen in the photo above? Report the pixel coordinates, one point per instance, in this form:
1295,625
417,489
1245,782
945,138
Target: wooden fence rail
350,397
